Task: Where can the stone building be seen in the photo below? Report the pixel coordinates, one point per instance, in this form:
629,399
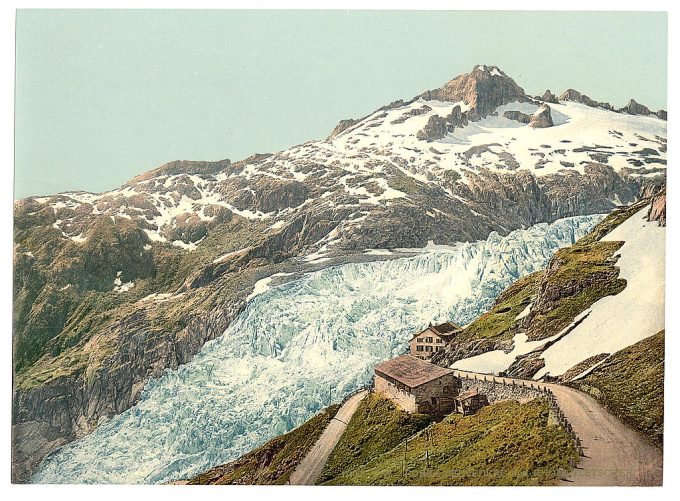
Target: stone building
426,343
469,402
416,385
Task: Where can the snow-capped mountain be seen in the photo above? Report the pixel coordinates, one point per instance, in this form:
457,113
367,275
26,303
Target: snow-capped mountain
113,288
444,153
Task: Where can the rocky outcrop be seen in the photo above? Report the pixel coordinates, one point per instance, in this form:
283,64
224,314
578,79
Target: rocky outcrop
435,128
577,97
549,97
438,127
342,126
632,108
457,118
657,209
517,116
541,118
184,167
635,108
484,89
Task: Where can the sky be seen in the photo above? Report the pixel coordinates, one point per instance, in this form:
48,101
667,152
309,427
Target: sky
102,96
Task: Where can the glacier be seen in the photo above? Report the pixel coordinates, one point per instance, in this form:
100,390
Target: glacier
296,348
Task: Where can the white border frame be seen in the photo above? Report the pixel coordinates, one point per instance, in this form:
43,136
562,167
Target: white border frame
58,492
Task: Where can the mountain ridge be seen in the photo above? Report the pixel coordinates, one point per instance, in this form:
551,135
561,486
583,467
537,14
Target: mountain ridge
111,289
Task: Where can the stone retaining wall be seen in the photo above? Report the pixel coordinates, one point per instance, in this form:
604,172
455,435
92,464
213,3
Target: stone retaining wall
498,389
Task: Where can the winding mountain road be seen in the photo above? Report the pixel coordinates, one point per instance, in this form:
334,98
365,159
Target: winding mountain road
312,464
615,454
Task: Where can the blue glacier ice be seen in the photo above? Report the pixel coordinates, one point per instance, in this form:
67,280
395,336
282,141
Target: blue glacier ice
296,348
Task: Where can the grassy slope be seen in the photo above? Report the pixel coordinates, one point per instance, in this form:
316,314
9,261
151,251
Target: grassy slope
585,273
630,384
273,462
376,427
499,322
504,444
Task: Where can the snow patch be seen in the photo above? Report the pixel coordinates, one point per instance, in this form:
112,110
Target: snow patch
493,362
524,312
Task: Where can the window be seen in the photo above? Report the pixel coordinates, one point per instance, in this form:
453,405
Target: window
419,348
439,340
428,339
438,348
420,340
428,348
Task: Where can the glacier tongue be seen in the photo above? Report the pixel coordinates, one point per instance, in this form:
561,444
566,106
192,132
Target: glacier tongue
296,348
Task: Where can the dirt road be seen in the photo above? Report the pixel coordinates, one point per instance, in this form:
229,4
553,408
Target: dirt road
310,467
614,453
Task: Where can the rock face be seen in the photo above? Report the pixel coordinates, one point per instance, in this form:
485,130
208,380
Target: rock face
662,114
541,118
635,108
484,89
110,289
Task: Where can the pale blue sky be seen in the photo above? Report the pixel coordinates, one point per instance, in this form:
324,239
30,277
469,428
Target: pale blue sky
105,95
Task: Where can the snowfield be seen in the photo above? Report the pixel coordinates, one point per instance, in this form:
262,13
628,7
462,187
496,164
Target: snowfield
296,348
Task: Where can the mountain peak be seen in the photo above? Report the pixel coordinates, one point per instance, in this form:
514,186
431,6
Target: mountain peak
484,89
488,70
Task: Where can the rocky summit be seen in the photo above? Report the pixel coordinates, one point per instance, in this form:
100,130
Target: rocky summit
113,288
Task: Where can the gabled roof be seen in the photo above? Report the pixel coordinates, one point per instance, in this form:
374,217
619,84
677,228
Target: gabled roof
446,331
447,328
411,371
